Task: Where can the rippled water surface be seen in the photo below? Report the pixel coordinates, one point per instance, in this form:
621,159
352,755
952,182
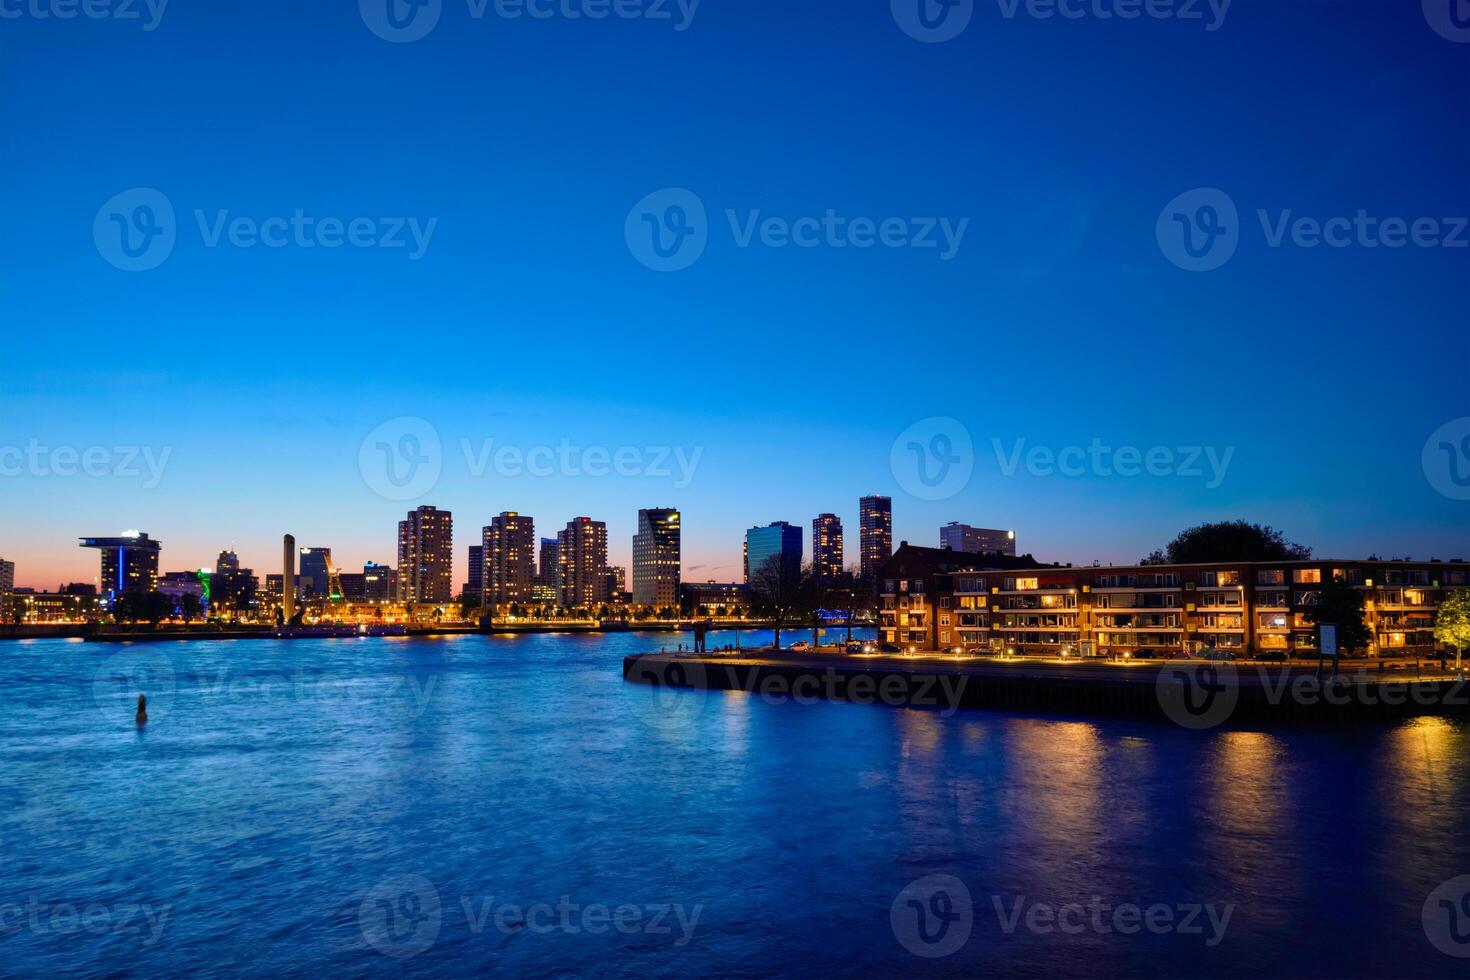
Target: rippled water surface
425,806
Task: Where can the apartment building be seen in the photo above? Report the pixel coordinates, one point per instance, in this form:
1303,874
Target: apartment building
1242,607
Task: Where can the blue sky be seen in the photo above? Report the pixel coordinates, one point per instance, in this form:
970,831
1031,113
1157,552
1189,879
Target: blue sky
790,371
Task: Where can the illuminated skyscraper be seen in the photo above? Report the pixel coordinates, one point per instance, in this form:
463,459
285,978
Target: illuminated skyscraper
314,576
781,541
510,559
875,545
826,547
426,556
656,558
474,589
582,562
7,576
129,563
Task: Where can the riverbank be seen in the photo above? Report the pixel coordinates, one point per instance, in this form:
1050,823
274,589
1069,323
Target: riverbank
1194,694
94,633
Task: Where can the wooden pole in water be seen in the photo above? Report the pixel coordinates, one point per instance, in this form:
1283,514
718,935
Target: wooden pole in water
142,716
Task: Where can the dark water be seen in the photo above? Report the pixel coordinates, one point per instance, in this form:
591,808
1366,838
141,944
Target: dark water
402,806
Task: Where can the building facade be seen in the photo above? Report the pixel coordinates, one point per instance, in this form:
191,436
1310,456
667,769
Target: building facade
656,558
426,556
826,547
510,559
314,572
227,561
977,540
581,552
1246,608
875,529
379,583
779,541
709,598
474,589
548,571
7,576
129,563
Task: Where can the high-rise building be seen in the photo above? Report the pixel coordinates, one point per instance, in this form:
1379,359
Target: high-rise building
617,583
548,574
129,563
314,572
826,547
510,559
875,544
474,589
426,556
227,561
379,583
977,540
781,541
581,552
656,557
7,576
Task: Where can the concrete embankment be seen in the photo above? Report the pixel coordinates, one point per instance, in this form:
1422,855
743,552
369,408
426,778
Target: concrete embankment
1194,694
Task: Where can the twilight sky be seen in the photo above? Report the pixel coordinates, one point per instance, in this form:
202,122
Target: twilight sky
1296,384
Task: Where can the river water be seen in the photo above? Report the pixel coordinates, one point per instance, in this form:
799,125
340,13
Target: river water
422,806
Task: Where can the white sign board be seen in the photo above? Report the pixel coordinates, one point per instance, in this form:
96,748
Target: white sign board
1328,634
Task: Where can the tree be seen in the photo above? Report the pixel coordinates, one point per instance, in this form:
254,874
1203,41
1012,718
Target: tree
778,591
1341,605
1452,623
850,593
1228,541
190,607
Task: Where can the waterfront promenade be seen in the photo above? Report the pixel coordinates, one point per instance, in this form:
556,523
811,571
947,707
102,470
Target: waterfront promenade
1194,693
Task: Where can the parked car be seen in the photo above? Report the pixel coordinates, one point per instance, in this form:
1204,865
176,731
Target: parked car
800,646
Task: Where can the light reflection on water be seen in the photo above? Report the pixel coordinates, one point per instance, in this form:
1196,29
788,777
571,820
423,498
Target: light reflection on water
282,782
